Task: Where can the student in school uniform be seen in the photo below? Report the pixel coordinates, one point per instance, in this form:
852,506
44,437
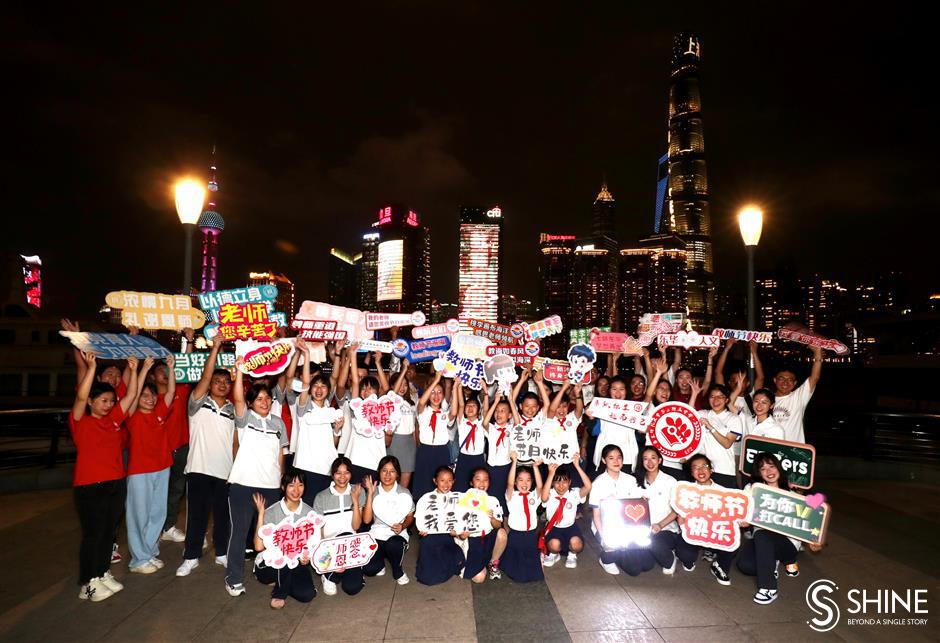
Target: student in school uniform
497,445
564,412
484,551
790,401
209,463
440,557
659,391
366,452
403,445
522,560
435,417
722,428
592,429
296,583
392,539
470,436
341,505
317,432
657,486
614,484
562,535
532,406
613,433
762,422
260,445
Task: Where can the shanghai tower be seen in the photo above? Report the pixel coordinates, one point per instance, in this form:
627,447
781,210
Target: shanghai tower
688,215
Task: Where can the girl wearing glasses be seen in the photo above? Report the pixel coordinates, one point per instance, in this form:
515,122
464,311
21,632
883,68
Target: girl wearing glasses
722,429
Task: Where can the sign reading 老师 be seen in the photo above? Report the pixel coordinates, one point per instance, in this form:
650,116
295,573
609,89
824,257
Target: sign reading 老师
615,343
436,513
154,311
211,302
495,332
526,440
379,321
245,321
116,345
804,518
189,366
797,459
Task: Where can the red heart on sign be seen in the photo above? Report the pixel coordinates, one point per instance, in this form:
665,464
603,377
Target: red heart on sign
634,512
373,546
475,503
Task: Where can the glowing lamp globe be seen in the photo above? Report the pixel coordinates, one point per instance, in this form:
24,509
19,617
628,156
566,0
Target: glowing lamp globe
189,198
750,221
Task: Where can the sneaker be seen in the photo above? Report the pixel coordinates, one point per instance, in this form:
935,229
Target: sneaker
221,560
173,535
571,561
329,587
403,579
688,568
765,596
111,583
709,556
115,554
720,574
95,591
156,562
250,554
189,564
495,572
381,573
235,590
669,571
776,569
793,570
550,559
610,568
146,568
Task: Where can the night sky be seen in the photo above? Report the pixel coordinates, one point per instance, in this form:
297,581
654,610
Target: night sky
821,114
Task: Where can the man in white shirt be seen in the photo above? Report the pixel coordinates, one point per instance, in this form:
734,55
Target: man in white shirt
792,401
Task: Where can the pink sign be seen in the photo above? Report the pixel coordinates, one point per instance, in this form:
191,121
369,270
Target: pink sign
378,321
689,339
809,339
347,319
376,416
450,327
712,517
264,358
315,330
615,343
625,412
286,542
649,332
674,429
343,552
543,328
761,337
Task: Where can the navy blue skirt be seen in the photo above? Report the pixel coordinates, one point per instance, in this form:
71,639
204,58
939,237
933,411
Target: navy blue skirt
564,535
427,459
479,553
465,466
499,476
439,559
522,560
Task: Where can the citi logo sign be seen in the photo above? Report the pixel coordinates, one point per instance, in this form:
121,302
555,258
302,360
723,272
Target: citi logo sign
883,607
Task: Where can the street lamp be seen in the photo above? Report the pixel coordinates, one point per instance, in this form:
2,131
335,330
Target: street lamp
751,220
189,198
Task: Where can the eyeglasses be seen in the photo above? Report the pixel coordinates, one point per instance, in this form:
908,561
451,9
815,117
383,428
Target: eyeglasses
702,467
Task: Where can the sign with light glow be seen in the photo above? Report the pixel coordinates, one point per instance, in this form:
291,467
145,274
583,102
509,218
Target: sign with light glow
154,311
625,523
391,257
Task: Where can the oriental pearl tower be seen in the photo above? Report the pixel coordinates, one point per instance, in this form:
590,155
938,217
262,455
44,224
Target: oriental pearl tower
211,224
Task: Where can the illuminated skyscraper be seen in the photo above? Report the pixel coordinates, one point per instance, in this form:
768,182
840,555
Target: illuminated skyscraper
555,277
344,278
368,271
603,219
211,224
285,290
662,185
479,257
515,309
403,270
32,279
591,301
688,214
652,280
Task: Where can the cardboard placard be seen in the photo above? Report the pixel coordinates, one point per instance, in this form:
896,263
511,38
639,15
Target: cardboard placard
347,319
689,339
615,343
558,445
472,346
376,416
521,355
448,328
542,328
343,552
155,311
804,518
392,508
526,440
372,345
650,332
189,366
760,337
674,319
245,321
378,321
211,302
116,345
318,330
712,516
808,338
496,332
625,412
474,512
798,460
437,513
286,541
581,358
674,429
556,370
625,523
264,358
501,369
583,335
420,350
455,365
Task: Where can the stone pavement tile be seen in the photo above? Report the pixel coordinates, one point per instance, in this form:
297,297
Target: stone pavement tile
723,633
885,633
362,617
679,606
500,617
774,632
648,635
20,507
441,611
452,640
250,618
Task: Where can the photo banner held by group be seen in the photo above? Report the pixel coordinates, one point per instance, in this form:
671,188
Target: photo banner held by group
116,345
156,311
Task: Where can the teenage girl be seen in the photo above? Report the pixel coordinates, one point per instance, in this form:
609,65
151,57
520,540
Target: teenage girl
497,440
722,429
659,391
562,534
440,557
392,539
592,428
434,418
341,504
403,445
762,422
565,411
521,560
483,552
658,487
614,484
365,453
613,433
470,436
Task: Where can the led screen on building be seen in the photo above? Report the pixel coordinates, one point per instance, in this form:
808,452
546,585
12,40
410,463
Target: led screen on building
391,255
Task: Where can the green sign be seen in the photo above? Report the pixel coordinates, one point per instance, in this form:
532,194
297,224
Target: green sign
784,512
583,335
798,459
189,366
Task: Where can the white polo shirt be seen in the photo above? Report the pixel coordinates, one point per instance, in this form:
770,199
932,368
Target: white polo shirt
571,500
312,440
464,429
789,410
336,509
769,428
440,435
725,423
659,497
517,514
497,440
605,487
211,437
261,440
365,452
622,436
407,424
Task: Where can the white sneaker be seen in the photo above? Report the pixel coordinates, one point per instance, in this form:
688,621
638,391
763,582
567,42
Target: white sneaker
221,560
115,554
765,596
146,568
173,535
550,559
156,562
669,571
571,561
95,591
235,590
188,565
329,587
403,579
610,568
381,573
111,583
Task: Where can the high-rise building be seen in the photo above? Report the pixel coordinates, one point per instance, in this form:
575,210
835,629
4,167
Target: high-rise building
688,214
368,271
211,224
441,311
662,193
555,277
603,220
403,273
344,279
591,301
32,279
822,303
652,279
479,260
285,290
515,309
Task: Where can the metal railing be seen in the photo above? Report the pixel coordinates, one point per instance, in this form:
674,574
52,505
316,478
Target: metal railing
35,437
885,436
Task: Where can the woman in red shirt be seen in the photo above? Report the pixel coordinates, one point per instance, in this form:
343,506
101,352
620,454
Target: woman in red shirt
95,422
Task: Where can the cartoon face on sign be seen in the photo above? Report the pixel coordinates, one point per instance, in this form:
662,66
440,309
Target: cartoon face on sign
675,430
581,358
286,542
377,415
500,369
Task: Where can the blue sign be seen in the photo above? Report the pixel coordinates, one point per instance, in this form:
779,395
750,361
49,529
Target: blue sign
420,350
116,345
210,302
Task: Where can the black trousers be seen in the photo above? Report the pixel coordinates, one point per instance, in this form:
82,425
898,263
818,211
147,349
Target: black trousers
350,580
204,494
688,554
294,583
176,487
633,561
662,548
100,507
760,554
393,550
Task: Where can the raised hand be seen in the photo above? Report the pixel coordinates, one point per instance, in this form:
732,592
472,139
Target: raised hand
259,502
69,325
132,363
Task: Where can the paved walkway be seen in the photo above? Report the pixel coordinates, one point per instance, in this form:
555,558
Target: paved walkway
872,545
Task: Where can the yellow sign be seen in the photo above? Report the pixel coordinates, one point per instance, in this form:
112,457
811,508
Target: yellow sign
153,311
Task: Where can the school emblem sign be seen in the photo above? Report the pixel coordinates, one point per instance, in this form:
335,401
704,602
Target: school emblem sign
675,430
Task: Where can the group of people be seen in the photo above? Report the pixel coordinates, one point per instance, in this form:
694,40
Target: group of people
253,451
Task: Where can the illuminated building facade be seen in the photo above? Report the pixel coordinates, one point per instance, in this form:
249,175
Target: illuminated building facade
403,262
515,309
662,185
555,277
652,280
441,311
211,224
343,273
593,291
688,214
479,256
285,291
32,279
368,271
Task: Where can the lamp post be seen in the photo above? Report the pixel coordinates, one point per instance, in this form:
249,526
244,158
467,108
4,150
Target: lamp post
750,221
189,198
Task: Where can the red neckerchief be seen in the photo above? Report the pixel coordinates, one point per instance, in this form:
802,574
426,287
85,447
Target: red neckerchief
471,438
554,520
525,506
502,435
433,424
